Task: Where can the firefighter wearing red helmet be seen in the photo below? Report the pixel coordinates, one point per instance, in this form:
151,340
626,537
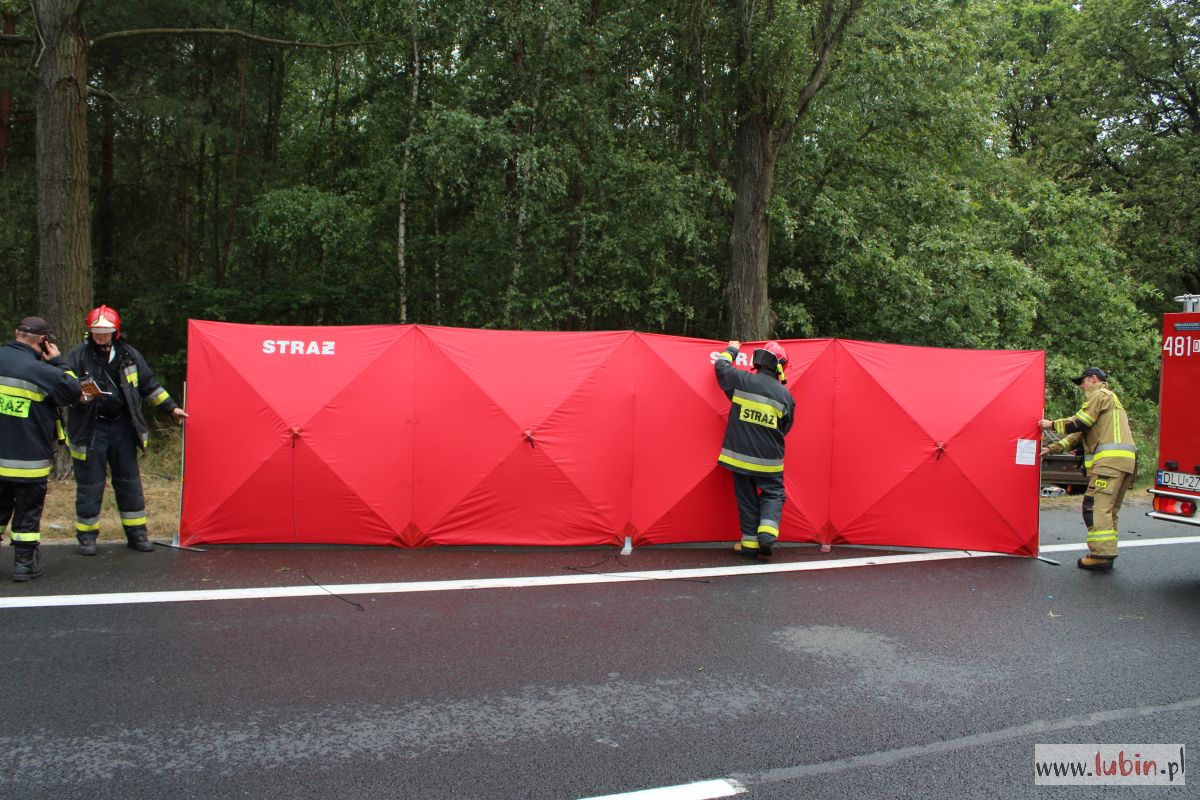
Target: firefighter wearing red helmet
760,415
105,434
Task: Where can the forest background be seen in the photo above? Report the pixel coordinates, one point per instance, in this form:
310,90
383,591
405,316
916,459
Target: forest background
954,173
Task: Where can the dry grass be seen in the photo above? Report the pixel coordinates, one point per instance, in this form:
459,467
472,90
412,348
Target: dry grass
162,509
160,466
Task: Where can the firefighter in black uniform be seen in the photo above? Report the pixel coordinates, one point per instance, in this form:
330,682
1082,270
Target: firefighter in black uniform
34,381
109,431
761,414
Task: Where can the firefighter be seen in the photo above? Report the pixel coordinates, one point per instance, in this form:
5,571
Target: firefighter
1109,456
109,431
34,382
760,416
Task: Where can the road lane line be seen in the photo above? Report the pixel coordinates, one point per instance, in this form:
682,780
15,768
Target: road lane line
1060,548
886,758
309,590
701,790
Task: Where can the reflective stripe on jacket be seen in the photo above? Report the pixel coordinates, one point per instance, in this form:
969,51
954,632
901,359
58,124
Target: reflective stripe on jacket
30,392
760,415
138,384
1101,425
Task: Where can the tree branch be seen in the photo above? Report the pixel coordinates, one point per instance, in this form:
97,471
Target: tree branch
7,40
253,37
827,37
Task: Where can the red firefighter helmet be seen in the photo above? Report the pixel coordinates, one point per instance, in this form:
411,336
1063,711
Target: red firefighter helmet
776,349
103,319
771,358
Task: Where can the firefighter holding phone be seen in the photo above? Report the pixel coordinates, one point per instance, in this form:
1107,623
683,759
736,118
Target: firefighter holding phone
34,381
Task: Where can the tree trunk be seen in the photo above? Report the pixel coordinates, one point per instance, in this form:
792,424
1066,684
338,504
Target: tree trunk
218,262
437,262
402,222
237,151
189,151
104,202
514,185
200,228
764,129
274,115
185,273
749,306
569,320
333,119
64,231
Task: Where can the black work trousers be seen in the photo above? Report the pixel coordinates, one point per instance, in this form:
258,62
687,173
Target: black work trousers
22,503
114,446
760,503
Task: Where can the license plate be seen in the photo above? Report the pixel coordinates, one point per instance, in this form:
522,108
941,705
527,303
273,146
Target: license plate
1178,480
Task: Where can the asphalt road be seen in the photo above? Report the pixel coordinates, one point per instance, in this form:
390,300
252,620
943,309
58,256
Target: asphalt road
928,679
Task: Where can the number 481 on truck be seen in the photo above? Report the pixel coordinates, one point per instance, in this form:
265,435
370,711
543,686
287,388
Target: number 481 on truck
1177,482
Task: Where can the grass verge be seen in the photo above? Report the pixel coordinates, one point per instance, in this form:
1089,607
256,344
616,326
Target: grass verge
160,466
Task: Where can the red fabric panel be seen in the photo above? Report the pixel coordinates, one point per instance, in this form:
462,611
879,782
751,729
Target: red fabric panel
945,425
412,436
238,478
354,484
812,378
680,493
494,403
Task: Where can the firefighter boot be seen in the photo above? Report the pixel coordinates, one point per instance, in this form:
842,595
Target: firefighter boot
87,544
1096,563
139,541
766,545
27,561
746,549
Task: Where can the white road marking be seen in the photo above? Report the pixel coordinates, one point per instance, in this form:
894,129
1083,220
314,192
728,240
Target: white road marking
1124,543
701,790
195,595
886,758
1038,728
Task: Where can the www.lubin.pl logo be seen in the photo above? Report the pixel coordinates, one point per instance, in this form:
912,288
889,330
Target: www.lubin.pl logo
1109,764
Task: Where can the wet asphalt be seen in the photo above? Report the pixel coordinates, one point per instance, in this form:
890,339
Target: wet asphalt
918,680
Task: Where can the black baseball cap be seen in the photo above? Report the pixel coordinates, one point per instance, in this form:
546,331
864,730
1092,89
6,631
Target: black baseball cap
34,325
1099,373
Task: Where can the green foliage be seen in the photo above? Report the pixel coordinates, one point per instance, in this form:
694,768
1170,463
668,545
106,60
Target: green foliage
1013,174
1116,107
18,246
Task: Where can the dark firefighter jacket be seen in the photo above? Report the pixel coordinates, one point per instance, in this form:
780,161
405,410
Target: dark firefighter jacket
760,416
30,392
135,381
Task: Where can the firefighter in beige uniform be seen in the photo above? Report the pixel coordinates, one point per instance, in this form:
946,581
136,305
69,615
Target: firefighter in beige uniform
1102,425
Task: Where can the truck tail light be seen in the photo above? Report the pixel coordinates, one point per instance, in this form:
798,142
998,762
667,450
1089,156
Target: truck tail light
1170,505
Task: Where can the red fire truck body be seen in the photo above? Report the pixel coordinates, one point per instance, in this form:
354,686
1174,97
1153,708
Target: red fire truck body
1177,483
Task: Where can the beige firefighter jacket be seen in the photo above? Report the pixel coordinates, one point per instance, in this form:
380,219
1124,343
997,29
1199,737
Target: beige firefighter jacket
1102,426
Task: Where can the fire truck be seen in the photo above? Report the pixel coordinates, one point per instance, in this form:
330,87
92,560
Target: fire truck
1177,483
